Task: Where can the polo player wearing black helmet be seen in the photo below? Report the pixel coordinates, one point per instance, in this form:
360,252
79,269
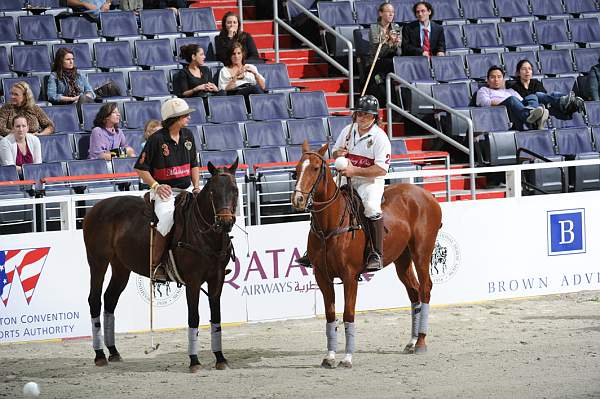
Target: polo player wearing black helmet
368,149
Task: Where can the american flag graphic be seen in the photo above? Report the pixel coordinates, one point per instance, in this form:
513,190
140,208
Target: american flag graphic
27,264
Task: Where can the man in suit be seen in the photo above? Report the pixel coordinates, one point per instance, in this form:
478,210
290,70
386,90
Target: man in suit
423,37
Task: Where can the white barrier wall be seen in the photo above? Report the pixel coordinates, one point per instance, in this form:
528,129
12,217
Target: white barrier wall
486,250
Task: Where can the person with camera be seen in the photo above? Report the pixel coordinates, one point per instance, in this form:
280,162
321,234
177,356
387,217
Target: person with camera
107,139
386,33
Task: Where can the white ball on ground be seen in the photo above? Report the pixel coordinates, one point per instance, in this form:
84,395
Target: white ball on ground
341,163
31,390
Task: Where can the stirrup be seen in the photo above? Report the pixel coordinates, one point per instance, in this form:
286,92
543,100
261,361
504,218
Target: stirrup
159,275
371,266
304,261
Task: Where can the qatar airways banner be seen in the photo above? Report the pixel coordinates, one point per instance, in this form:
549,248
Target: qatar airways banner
486,250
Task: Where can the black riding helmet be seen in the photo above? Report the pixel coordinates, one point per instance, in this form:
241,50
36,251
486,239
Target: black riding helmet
367,104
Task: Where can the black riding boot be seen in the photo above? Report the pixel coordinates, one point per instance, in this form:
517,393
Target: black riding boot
159,273
375,258
303,260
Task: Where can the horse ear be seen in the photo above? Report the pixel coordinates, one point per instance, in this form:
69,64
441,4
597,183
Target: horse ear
323,149
211,168
234,165
305,146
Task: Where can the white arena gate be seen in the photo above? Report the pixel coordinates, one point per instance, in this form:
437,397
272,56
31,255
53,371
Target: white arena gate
487,249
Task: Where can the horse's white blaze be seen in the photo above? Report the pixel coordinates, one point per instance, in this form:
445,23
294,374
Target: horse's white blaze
299,181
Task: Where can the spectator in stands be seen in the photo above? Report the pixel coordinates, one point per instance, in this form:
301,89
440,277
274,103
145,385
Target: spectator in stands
237,77
594,79
559,105
231,33
151,127
195,79
22,102
65,84
20,146
107,139
423,37
388,32
520,110
132,5
92,7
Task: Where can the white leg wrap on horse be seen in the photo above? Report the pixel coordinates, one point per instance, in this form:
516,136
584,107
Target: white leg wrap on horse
96,333
350,330
331,331
192,341
109,329
415,312
215,337
424,322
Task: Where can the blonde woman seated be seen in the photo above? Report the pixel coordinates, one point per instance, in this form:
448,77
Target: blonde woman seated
237,77
22,102
20,147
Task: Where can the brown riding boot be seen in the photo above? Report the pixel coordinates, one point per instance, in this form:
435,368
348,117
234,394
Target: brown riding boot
375,258
303,260
159,246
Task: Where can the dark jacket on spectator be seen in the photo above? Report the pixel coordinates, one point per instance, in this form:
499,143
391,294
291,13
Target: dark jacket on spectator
184,81
411,39
535,86
223,42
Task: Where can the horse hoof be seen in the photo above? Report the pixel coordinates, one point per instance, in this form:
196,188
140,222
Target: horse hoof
409,349
221,365
115,357
419,350
100,361
345,364
194,368
328,363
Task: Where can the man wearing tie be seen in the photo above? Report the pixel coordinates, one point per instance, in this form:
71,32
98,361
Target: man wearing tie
423,37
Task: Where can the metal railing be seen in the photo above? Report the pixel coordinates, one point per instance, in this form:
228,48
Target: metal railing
347,72
390,106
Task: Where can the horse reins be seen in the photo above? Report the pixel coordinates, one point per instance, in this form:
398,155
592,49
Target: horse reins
310,203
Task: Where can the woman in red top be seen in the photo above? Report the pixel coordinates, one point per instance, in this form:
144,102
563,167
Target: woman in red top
20,147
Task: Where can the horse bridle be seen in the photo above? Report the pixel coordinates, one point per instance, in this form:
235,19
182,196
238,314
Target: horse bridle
228,211
310,202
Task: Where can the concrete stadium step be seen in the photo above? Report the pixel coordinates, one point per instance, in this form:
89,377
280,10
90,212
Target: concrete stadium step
330,85
337,100
299,55
219,11
213,3
419,143
257,27
307,70
267,41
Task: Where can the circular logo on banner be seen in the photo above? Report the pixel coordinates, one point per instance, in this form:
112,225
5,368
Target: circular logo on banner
164,294
445,258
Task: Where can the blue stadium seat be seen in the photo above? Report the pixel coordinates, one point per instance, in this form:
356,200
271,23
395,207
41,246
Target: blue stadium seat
585,31
31,59
88,113
293,11
336,13
5,70
78,28
11,5
511,59
57,147
137,113
498,148
197,133
478,9
264,155
446,10
336,124
293,153
276,77
478,64
537,141
546,8
194,20
269,106
455,43
224,136
413,68
114,56
218,158
97,79
556,62
8,32
64,117
580,6
592,109
366,11
32,81
82,145
38,171
135,138
123,165
449,68
82,54
265,134
586,58
311,129
458,97
90,167
308,104
227,109
203,41
149,85
573,141
576,120
559,85
199,116
518,35
154,53
9,173
36,28
516,9
160,24
482,37
553,33
119,24
490,119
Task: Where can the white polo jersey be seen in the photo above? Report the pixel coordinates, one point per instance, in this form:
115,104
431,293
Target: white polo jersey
373,148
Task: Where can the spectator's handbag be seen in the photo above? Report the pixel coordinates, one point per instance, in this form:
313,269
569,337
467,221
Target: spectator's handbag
108,89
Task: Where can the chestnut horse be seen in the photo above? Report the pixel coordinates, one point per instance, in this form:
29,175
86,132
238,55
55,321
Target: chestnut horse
117,231
412,218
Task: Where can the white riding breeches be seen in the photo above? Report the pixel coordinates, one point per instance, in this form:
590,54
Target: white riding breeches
164,209
371,194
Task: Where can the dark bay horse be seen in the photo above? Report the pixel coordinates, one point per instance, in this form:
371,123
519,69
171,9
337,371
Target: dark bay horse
412,218
117,231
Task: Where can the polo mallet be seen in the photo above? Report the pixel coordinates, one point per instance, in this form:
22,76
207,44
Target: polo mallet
152,346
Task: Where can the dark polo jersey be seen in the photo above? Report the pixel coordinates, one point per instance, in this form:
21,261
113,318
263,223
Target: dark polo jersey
167,161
